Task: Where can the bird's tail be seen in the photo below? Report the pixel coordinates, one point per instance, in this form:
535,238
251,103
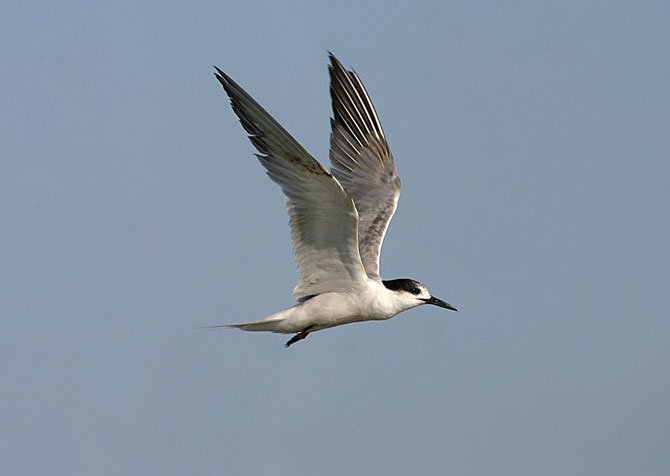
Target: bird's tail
270,324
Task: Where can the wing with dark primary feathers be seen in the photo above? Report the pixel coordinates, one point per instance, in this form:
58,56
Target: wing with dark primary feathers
361,160
323,217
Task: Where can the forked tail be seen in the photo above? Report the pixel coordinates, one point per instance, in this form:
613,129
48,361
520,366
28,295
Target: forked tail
269,324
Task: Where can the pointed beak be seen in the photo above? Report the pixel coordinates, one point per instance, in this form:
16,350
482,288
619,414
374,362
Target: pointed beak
439,303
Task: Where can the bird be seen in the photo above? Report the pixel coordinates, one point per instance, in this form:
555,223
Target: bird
338,218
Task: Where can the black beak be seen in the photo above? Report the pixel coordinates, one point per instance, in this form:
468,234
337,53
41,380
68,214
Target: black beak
439,303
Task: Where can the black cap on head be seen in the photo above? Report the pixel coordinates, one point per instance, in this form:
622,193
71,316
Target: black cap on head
402,284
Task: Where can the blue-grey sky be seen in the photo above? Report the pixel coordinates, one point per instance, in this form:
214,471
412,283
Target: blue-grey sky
532,139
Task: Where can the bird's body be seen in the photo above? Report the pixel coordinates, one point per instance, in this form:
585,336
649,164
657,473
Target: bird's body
371,301
339,218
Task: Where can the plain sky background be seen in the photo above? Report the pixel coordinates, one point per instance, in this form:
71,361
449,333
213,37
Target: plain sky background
533,142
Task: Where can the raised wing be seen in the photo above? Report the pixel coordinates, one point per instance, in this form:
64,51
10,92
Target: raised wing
362,162
323,217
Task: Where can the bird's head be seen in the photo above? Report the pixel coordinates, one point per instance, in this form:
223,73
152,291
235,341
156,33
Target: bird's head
410,293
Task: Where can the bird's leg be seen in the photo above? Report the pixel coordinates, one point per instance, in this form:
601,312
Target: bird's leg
299,336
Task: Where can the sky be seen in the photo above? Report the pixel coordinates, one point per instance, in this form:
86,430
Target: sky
533,147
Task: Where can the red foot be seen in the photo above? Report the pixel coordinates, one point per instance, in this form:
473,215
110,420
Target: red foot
297,337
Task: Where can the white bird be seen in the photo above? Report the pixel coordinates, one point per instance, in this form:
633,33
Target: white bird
338,219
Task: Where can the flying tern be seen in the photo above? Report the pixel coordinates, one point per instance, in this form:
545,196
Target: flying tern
338,219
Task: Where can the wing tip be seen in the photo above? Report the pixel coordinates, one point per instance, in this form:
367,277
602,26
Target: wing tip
335,65
220,75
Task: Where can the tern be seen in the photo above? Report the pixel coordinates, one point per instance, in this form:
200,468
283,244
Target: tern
338,218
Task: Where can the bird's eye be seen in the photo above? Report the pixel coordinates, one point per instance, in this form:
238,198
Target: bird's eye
415,290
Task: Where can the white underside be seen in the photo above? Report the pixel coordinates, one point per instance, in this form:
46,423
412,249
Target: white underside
370,302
